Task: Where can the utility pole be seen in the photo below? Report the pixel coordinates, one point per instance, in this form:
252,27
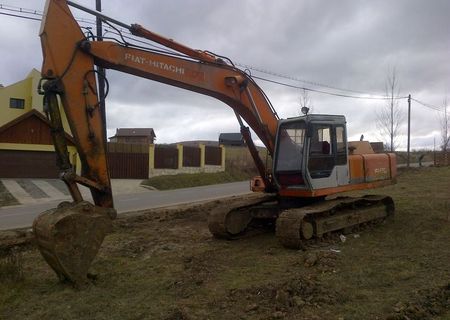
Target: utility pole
101,71
409,130
392,121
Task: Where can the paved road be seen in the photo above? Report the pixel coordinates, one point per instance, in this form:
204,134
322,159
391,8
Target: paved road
22,216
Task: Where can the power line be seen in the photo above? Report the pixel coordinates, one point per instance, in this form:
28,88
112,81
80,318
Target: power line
82,20
19,16
19,9
327,92
280,75
37,13
428,105
130,37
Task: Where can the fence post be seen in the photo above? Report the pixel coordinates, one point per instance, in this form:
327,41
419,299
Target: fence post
202,155
180,155
222,149
151,158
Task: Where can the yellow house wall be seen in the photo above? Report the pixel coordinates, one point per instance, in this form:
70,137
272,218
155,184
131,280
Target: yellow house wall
25,89
18,90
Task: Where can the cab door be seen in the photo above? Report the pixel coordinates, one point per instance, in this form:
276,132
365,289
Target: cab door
327,157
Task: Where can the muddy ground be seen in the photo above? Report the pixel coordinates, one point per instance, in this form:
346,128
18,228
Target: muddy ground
164,264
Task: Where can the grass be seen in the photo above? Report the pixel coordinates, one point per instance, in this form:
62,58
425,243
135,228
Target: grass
168,182
6,198
239,167
165,265
11,265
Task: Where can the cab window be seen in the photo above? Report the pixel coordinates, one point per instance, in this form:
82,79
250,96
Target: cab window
290,147
341,151
321,151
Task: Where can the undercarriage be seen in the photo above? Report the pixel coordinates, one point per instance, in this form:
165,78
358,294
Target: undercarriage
296,225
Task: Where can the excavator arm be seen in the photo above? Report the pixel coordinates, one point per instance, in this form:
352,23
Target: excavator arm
70,236
69,61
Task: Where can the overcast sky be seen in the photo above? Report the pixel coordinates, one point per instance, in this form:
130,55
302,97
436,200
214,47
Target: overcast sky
341,44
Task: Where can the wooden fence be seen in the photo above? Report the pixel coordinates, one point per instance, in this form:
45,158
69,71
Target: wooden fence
191,156
128,161
166,157
137,161
213,156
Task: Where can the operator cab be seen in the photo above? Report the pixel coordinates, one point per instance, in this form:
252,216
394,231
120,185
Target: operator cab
311,152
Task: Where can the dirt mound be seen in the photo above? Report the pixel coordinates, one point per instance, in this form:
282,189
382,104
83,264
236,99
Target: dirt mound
177,314
14,239
431,303
297,296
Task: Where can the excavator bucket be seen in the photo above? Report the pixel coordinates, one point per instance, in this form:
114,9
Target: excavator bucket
70,236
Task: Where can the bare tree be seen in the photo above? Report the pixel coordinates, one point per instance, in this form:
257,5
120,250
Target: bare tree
445,130
305,101
390,116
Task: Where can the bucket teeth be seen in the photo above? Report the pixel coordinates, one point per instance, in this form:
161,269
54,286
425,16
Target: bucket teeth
69,238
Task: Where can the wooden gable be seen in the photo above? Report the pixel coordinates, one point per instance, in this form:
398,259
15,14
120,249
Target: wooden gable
30,128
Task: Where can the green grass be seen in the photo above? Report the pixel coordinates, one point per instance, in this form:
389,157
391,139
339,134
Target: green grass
239,167
178,181
6,198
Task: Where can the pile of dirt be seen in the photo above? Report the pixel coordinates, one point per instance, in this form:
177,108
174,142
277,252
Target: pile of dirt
431,303
279,300
177,314
15,240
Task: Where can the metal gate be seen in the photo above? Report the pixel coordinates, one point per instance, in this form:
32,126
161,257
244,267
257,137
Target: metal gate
127,161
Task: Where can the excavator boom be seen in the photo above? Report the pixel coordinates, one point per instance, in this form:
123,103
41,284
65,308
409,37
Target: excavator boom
311,157
69,76
69,61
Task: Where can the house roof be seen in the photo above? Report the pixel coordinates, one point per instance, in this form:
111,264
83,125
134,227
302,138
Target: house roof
235,136
29,114
134,132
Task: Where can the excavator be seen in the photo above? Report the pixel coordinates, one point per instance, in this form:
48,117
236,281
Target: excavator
312,159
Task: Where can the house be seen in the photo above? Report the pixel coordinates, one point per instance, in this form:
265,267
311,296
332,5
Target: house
134,136
26,147
231,139
21,97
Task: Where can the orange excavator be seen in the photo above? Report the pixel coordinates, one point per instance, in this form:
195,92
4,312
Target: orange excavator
312,158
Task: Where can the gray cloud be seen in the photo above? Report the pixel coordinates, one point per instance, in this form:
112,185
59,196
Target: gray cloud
346,44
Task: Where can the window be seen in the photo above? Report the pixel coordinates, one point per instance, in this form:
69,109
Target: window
327,149
340,146
321,141
290,146
16,103
321,153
